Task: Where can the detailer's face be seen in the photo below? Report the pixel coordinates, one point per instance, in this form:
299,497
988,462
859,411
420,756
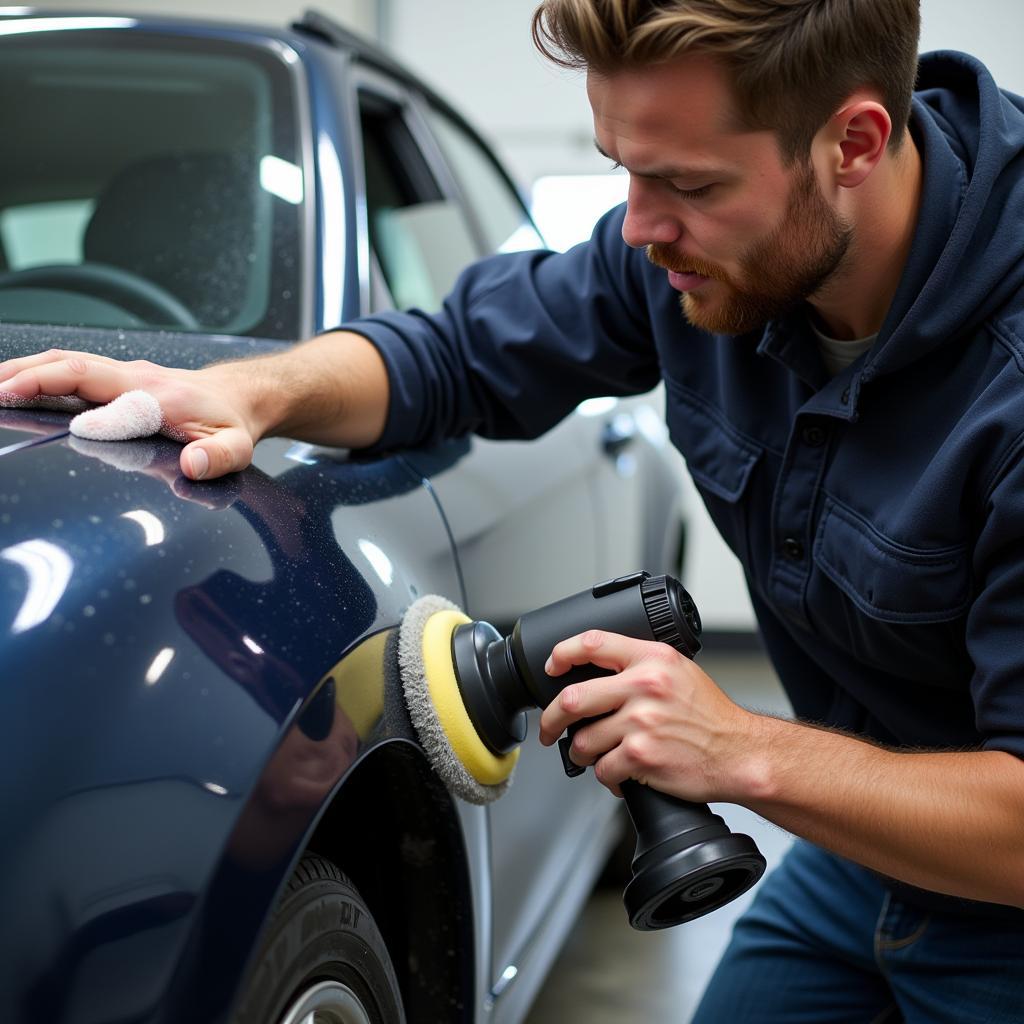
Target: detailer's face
743,237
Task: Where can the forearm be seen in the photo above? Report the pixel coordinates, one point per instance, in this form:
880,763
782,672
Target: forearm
331,390
951,822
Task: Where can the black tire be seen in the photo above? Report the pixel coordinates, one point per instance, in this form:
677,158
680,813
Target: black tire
322,946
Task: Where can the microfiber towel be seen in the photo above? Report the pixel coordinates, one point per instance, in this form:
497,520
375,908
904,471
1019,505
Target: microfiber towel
133,414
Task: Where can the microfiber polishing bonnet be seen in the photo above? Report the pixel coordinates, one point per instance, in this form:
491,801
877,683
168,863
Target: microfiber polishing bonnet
464,763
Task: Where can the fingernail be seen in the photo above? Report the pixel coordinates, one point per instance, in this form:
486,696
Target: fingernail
548,666
200,463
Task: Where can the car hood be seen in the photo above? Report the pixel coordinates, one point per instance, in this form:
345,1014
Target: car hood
118,575
161,643
21,430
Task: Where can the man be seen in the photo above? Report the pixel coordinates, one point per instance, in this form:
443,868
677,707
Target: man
845,380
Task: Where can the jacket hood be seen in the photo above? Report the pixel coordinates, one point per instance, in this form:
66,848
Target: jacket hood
965,261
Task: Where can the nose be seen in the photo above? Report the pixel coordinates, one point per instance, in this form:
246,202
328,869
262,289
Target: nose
649,216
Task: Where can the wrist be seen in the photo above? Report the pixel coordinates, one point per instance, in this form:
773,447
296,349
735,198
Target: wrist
752,774
255,391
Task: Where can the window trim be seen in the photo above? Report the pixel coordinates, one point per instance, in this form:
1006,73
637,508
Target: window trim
422,103
371,82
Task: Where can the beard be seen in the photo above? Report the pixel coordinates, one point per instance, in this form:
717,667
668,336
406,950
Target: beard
778,272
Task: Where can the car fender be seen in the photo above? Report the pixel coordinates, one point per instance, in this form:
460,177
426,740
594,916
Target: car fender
161,642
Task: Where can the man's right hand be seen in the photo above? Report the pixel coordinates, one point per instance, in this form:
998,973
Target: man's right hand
331,390
219,429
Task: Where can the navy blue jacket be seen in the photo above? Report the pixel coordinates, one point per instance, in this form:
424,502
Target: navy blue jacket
879,514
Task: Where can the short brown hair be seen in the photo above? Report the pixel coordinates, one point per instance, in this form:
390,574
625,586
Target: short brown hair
792,62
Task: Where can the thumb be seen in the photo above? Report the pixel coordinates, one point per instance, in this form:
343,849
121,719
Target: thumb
227,451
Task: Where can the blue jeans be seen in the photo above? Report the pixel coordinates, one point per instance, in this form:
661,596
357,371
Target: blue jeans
824,942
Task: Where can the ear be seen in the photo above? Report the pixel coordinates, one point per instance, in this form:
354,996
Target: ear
858,135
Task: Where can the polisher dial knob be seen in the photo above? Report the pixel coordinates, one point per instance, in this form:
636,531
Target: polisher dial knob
673,616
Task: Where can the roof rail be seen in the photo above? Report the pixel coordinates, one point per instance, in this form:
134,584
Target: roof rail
317,23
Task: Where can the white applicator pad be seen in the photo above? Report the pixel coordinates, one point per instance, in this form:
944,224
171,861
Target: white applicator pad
131,415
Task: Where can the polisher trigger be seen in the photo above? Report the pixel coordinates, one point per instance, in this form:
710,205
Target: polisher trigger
572,769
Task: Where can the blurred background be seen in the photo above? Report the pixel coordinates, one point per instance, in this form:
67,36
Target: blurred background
538,120
479,55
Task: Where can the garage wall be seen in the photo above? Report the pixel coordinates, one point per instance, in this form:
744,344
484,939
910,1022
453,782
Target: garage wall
535,114
990,29
480,55
537,118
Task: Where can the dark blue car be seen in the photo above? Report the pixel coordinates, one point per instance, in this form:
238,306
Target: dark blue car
213,809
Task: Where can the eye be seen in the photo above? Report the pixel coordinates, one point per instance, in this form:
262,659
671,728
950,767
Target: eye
691,193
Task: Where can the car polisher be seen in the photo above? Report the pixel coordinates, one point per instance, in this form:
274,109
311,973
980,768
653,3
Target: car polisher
468,687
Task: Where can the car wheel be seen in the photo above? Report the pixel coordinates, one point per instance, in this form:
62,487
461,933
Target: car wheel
323,960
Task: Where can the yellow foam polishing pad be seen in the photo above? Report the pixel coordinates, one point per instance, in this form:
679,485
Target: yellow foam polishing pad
486,767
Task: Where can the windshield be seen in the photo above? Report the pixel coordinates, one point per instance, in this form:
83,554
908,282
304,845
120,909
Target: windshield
148,182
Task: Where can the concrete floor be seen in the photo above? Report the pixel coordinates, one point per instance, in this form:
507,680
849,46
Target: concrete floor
608,973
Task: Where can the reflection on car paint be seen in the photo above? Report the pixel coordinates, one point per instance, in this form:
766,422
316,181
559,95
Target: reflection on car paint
48,569
246,619
194,680
328,733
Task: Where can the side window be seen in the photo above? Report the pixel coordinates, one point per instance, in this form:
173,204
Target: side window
420,239
505,224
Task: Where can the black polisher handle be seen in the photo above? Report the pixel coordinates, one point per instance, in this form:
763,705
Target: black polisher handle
639,606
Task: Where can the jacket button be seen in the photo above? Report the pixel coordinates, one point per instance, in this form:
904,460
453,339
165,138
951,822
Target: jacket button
813,436
792,548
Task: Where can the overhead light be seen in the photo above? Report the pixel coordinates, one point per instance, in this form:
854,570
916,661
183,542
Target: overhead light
49,569
159,665
596,406
28,25
301,451
151,526
282,179
382,565
332,191
252,645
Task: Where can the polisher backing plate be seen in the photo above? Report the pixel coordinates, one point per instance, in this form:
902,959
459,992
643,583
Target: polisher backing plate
458,755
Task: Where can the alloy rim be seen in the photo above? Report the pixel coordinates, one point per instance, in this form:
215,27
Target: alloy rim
327,1002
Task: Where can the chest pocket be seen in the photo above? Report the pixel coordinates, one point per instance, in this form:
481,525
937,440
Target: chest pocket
899,608
720,460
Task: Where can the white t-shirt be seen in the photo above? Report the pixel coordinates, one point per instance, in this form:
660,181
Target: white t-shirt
839,354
